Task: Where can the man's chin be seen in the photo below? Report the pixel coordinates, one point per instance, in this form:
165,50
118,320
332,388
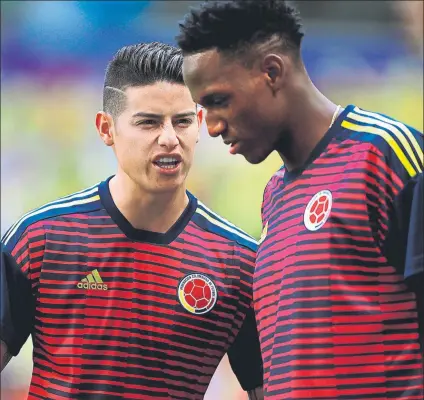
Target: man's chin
169,187
255,158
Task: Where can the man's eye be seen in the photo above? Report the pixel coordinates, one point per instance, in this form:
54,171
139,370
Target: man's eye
219,101
146,122
216,101
185,121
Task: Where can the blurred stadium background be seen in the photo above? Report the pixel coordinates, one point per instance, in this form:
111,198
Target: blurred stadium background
53,56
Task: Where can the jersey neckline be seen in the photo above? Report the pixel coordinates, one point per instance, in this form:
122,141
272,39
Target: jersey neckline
141,235
289,176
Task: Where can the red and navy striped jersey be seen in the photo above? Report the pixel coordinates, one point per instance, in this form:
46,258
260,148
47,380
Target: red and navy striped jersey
117,312
339,258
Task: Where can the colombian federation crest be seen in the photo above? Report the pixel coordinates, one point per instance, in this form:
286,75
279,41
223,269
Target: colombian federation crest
318,210
197,293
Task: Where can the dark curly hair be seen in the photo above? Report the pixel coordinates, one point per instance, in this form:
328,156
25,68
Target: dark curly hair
139,65
233,26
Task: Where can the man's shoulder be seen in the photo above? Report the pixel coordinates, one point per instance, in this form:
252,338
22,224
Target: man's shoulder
213,223
400,144
274,183
82,201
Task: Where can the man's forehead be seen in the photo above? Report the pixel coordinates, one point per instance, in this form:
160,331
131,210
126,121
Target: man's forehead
162,98
209,57
206,67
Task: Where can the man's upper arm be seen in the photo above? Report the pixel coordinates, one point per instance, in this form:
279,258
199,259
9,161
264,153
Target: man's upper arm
17,301
245,355
404,241
414,258
404,246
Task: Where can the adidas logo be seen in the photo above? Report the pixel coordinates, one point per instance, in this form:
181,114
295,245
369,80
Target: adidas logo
93,281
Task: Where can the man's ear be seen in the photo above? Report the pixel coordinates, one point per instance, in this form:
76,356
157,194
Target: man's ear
200,114
274,68
105,127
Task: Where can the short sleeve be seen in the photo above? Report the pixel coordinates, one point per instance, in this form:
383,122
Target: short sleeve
17,300
245,354
404,245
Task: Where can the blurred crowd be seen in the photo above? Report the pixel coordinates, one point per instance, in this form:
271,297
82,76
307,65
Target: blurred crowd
54,55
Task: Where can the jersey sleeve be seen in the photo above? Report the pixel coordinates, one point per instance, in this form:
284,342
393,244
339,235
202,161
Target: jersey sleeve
17,299
404,240
403,199
245,355
404,245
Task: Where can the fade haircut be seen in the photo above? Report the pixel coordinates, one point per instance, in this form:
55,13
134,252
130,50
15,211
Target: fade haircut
139,65
236,27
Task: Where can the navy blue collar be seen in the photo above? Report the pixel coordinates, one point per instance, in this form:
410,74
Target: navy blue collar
320,147
141,235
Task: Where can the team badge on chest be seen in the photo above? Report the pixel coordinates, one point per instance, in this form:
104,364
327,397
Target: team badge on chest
197,293
318,210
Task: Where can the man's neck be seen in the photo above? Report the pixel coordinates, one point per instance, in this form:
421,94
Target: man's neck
308,124
154,212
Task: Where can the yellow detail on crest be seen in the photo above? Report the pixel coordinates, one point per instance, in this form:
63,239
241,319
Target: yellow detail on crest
187,306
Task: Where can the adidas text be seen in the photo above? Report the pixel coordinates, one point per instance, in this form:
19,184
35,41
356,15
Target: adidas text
93,286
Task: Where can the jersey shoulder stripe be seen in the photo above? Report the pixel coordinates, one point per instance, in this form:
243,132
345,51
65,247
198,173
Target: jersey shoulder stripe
404,141
212,222
82,201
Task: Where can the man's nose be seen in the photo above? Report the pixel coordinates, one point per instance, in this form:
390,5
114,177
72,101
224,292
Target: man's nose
216,127
168,137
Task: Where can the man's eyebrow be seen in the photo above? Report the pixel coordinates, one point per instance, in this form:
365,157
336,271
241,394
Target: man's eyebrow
186,114
146,115
159,116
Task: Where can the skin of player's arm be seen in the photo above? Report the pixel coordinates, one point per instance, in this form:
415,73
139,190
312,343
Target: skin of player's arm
5,355
256,394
